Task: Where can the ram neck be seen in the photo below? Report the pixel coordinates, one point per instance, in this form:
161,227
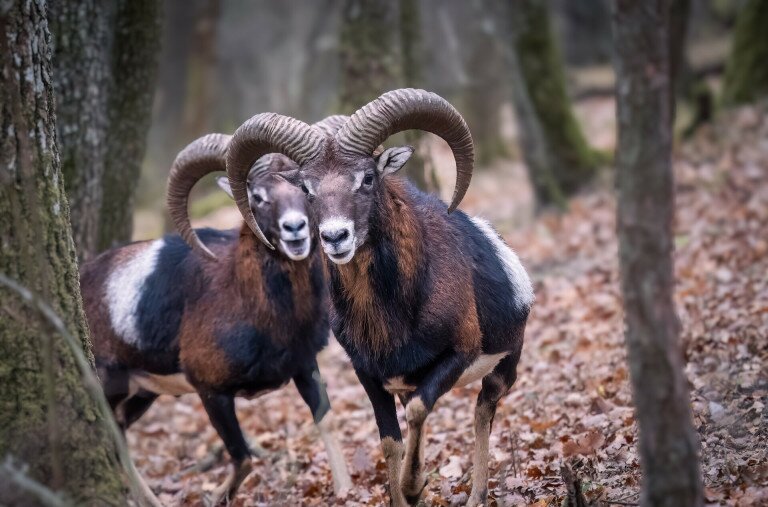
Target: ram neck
248,260
275,289
382,278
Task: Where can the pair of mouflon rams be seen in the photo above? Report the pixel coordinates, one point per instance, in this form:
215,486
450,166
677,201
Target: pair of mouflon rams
421,299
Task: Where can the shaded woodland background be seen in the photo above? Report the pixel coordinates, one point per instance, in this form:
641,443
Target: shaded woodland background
559,173
223,61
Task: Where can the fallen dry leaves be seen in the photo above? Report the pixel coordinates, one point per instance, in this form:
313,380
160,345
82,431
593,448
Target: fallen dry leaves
572,399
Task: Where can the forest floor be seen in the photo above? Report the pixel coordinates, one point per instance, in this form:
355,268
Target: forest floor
572,401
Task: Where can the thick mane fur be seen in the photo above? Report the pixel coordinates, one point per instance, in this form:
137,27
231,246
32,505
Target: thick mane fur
384,273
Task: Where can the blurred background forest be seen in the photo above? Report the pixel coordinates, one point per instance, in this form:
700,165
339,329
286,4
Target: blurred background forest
224,60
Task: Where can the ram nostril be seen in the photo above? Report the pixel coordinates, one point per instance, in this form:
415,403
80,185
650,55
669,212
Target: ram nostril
335,236
295,226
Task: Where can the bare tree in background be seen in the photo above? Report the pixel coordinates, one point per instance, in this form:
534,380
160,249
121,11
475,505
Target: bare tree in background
135,52
412,56
201,72
81,77
668,441
746,74
483,92
105,63
586,25
368,49
559,159
48,421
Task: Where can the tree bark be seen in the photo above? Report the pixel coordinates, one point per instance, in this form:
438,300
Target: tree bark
48,421
746,73
411,58
587,29
483,93
82,39
135,52
368,51
571,162
668,442
201,66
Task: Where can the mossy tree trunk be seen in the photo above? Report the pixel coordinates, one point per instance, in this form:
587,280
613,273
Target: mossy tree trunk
82,34
368,49
668,442
483,92
412,56
201,64
134,69
48,421
746,73
570,161
380,49
587,29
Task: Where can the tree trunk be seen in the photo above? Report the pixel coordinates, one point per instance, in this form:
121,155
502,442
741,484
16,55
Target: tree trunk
668,442
48,421
746,73
200,77
572,163
679,68
135,52
412,58
82,39
587,29
368,51
483,93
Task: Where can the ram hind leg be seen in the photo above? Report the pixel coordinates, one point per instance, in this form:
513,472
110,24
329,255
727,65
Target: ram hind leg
221,412
495,386
312,389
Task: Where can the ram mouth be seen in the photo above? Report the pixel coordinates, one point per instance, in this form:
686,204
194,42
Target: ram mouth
296,249
341,257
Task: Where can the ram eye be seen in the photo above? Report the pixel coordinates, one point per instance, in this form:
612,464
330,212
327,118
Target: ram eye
368,180
258,199
304,189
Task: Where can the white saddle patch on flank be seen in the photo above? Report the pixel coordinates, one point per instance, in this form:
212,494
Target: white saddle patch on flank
175,385
124,288
516,273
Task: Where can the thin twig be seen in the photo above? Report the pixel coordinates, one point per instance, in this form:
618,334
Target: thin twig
46,496
89,380
514,453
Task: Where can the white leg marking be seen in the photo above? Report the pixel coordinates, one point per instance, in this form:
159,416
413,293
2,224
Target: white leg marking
516,273
124,288
339,473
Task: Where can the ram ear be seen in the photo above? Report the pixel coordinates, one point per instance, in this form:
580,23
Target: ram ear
223,183
292,176
393,159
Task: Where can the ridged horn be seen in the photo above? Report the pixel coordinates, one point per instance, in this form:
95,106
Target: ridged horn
407,109
202,156
262,134
331,124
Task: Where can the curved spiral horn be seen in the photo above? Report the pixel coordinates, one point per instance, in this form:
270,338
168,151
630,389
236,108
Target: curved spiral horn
331,124
202,156
407,109
262,134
